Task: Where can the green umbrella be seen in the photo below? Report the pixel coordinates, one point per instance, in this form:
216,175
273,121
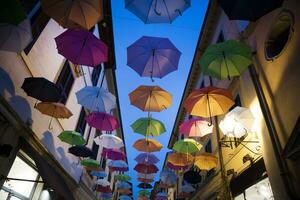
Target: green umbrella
148,126
71,137
187,146
226,59
122,177
143,193
88,162
11,12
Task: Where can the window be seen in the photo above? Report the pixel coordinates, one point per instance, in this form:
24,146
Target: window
220,37
96,74
95,150
65,81
81,123
279,35
242,25
208,148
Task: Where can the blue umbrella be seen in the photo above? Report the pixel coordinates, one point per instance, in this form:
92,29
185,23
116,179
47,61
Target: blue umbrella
99,174
125,197
168,177
106,195
123,185
117,164
157,11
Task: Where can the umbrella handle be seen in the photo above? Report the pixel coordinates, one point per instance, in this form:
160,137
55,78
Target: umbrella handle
36,103
155,9
50,128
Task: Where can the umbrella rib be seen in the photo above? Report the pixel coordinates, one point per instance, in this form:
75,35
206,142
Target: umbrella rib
85,20
167,11
168,60
147,17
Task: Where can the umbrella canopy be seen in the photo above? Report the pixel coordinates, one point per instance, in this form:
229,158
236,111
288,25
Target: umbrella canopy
41,89
181,159
148,126
145,185
11,12
74,13
237,122
56,110
118,165
96,99
81,47
150,98
250,10
88,162
146,169
153,56
195,128
143,198
177,167
187,145
162,194
109,141
145,180
106,196
103,189
123,185
146,176
102,182
72,138
154,11
99,174
144,193
192,177
146,158
206,161
187,188
124,191
81,151
168,177
166,185
102,121
125,197
113,154
226,59
122,177
147,145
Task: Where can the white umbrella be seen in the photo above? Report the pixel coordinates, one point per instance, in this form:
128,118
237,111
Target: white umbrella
118,164
15,38
102,182
109,141
96,99
237,122
146,176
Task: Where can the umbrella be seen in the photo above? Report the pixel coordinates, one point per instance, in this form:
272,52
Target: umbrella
109,141
123,185
177,167
165,185
113,154
102,121
74,13
226,59
88,162
124,191
168,177
155,11
162,194
106,196
153,56
96,99
145,180
237,122
118,165
72,137
208,102
122,177
99,174
144,193
41,89
181,159
148,126
103,189
145,185
11,12
183,195
187,188
192,177
187,145
146,176
206,161
146,169
81,47
143,198
102,182
81,151
125,197
15,38
147,145
146,158
150,98
249,10
195,128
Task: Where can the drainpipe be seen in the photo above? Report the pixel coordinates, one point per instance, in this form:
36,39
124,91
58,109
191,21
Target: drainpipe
283,168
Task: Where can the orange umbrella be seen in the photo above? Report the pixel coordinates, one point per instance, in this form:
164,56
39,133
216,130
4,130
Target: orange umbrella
150,98
208,102
145,180
147,145
180,159
164,185
206,161
74,13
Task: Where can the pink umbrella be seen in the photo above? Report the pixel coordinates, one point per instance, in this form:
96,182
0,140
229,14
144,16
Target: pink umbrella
113,154
195,128
102,121
81,47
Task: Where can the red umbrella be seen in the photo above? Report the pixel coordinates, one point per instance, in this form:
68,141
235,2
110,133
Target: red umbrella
103,189
146,169
102,121
145,180
113,154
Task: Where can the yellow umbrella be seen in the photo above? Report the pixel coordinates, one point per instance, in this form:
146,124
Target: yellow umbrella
180,159
147,145
150,98
206,161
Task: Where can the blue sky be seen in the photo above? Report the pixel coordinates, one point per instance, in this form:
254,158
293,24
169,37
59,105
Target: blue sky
184,33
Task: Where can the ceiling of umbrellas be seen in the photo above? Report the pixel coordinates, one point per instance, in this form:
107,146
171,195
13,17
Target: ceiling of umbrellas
151,57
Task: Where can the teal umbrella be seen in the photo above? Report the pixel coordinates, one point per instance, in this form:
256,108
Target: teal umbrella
226,59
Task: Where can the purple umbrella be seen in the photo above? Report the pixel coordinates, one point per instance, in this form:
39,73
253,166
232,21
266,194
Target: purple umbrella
146,158
106,195
153,56
102,121
81,47
113,154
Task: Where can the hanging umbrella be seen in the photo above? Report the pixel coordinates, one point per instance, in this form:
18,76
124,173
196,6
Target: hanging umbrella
249,10
206,161
144,193
208,102
187,146
11,12
99,174
102,121
153,56
146,158
102,182
192,177
122,177
143,198
74,13
177,167
195,128
93,168
125,197
237,122
168,177
155,11
80,151
72,138
145,180
148,126
145,186
118,165
103,189
226,59
109,141
150,98
162,194
184,195
113,154
147,145
181,159
124,191
146,169
56,110
187,188
81,47
96,99
106,196
146,176
123,185
88,162
41,89
166,186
